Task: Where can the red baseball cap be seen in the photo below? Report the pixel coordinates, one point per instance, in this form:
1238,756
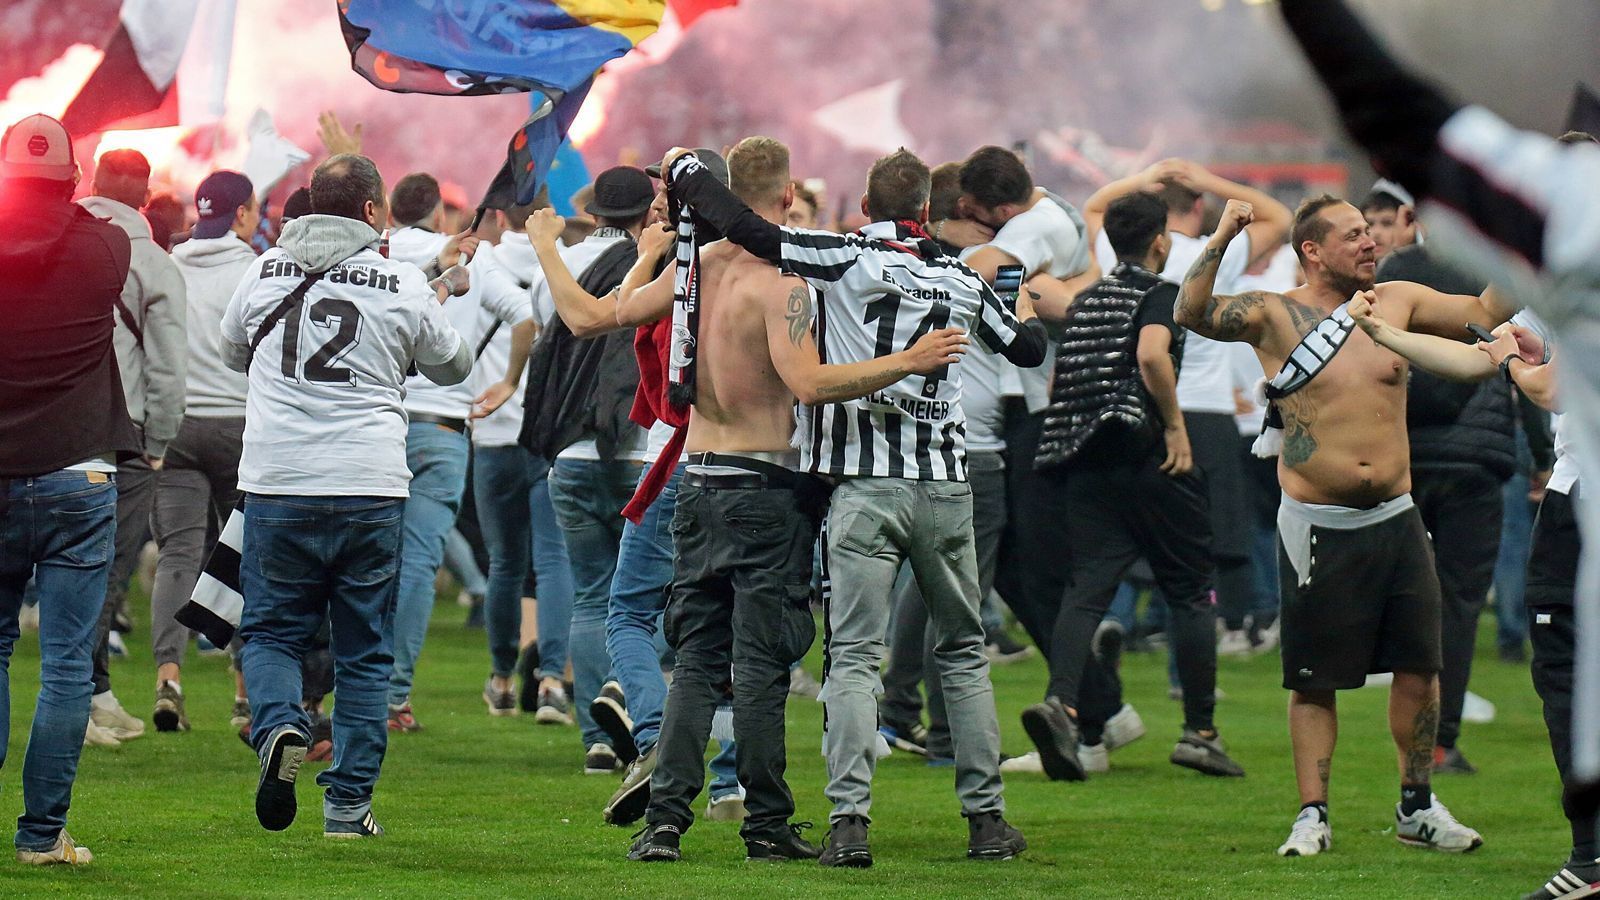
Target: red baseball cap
37,147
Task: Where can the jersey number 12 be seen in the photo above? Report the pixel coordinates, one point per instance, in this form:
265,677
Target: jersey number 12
327,313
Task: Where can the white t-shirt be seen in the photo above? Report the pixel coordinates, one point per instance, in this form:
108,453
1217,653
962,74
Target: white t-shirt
1047,237
1564,475
514,255
1205,381
335,425
492,291
1279,277
578,258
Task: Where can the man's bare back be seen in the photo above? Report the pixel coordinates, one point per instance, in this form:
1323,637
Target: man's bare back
741,404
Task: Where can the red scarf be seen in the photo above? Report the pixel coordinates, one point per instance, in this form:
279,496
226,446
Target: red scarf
652,347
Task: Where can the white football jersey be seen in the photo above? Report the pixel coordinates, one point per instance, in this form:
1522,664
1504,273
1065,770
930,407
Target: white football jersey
323,415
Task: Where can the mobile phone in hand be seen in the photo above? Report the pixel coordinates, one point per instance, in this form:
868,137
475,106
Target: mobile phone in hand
1007,284
1481,333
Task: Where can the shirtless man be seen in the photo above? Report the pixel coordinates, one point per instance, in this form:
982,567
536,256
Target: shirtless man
746,522
1359,590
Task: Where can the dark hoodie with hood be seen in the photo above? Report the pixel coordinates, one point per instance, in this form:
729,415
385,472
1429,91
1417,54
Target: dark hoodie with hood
61,272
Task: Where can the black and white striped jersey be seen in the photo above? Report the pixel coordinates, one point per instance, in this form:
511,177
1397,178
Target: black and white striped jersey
882,289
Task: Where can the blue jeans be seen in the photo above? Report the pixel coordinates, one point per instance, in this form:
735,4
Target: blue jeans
437,458
588,496
638,597
1264,556
58,529
1516,541
513,498
462,564
306,558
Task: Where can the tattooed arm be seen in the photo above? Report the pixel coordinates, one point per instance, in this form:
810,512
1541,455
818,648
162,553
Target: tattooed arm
794,353
1220,318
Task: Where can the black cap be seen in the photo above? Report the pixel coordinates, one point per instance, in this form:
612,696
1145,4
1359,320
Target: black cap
621,192
217,199
298,204
709,158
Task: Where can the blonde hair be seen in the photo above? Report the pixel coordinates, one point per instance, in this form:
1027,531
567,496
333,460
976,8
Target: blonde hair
758,170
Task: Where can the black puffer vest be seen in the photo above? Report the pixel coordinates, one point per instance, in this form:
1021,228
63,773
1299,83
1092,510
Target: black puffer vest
1097,378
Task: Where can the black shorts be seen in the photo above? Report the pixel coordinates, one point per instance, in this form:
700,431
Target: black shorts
1371,605
1553,559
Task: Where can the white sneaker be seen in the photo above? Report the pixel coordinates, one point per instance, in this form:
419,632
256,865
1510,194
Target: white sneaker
727,808
1309,836
1477,710
28,618
96,736
1435,828
106,712
1123,728
1026,764
1235,643
1095,760
65,852
803,684
115,645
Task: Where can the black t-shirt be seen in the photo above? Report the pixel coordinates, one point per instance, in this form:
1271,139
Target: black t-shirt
1114,443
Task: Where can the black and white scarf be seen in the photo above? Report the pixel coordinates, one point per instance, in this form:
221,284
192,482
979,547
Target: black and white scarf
217,602
1305,362
685,314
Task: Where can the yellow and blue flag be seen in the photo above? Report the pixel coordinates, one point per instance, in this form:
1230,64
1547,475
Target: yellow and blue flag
551,48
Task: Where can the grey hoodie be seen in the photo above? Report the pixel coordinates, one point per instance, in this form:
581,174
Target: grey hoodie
318,243
212,269
152,365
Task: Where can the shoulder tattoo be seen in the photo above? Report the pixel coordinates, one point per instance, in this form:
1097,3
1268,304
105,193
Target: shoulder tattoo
798,312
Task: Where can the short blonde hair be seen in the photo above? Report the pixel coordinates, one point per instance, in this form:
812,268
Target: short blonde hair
758,170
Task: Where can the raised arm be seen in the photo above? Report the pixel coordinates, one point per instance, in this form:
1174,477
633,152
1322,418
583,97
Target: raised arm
691,183
794,353
1198,309
1440,355
583,312
1427,311
1270,220
646,296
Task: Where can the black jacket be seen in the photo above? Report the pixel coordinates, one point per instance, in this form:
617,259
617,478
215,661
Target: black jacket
579,388
61,273
1453,424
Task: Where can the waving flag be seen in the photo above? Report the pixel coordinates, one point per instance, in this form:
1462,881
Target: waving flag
471,47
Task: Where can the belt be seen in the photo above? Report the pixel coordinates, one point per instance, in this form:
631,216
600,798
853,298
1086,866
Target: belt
757,474
459,426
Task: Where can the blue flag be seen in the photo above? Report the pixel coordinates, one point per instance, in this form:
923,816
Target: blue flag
473,47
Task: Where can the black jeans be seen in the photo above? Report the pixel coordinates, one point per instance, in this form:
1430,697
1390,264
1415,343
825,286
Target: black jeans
912,639
1101,520
741,596
1461,509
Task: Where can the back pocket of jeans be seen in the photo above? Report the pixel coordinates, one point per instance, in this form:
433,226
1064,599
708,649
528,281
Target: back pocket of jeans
84,534
376,540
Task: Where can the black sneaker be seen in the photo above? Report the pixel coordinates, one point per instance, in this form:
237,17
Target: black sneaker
656,843
1571,882
1109,638
990,836
1207,755
501,703
1449,761
528,674
1056,736
847,844
785,846
610,712
281,757
630,801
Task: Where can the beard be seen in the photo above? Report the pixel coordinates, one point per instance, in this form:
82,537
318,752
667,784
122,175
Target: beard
1346,284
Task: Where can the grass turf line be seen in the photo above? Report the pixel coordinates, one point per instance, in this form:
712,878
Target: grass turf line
497,807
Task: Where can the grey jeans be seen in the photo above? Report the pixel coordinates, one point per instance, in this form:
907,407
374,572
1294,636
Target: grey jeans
873,526
197,487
